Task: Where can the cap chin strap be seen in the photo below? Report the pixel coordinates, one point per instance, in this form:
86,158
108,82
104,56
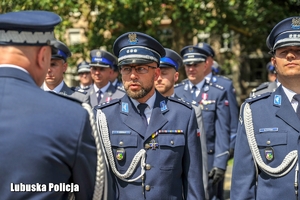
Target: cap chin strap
103,132
288,162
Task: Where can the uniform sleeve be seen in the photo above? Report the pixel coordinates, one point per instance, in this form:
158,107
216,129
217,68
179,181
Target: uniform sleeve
234,114
84,169
192,163
243,173
222,133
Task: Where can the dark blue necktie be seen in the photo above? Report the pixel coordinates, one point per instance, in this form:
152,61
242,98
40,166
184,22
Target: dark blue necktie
297,98
99,96
194,89
142,107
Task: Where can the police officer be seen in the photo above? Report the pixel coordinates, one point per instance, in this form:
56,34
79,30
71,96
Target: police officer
84,73
169,66
102,89
214,77
156,133
54,79
114,78
269,86
212,98
45,139
216,68
266,164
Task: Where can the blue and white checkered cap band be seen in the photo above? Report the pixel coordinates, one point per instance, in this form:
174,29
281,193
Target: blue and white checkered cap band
26,37
194,57
288,38
138,52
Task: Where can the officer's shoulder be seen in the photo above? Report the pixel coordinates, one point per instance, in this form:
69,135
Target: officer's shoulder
121,89
258,97
179,85
218,86
80,90
261,86
224,78
66,97
108,104
180,101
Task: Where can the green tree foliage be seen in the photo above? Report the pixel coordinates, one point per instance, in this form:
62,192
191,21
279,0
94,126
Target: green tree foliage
249,22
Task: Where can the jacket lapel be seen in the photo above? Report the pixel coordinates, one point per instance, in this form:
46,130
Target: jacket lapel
285,110
157,119
130,116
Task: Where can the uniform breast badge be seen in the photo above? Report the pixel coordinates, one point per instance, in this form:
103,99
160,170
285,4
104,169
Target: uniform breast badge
269,153
120,154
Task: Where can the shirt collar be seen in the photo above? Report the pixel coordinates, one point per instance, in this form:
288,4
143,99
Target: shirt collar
199,85
289,93
150,101
14,66
103,89
57,89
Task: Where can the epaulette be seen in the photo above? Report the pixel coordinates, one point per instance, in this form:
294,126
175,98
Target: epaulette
82,91
181,101
261,87
121,88
217,86
66,97
179,84
106,104
258,97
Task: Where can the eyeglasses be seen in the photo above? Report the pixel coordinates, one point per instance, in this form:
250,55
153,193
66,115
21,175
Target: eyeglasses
140,69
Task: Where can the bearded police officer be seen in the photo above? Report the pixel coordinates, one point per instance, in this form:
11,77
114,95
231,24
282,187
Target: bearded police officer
266,164
46,139
158,135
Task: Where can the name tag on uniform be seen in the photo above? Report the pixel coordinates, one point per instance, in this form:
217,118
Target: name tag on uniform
262,130
121,132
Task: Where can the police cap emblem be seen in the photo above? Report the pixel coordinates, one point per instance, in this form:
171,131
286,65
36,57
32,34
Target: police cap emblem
132,38
98,53
296,23
191,49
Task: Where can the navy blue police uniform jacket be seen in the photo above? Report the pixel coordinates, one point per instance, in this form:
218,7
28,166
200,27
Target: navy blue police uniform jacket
215,112
233,105
44,139
110,94
276,129
174,168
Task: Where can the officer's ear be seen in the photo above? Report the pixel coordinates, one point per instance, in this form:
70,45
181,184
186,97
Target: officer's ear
273,61
156,73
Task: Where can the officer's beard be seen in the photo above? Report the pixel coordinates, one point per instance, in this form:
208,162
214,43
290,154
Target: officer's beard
141,93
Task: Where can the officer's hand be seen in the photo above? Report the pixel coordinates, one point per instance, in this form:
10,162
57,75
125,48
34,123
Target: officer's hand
231,153
216,174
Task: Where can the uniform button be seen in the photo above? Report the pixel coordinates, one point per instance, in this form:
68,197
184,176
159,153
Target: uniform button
121,143
143,177
172,142
268,142
148,166
147,187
